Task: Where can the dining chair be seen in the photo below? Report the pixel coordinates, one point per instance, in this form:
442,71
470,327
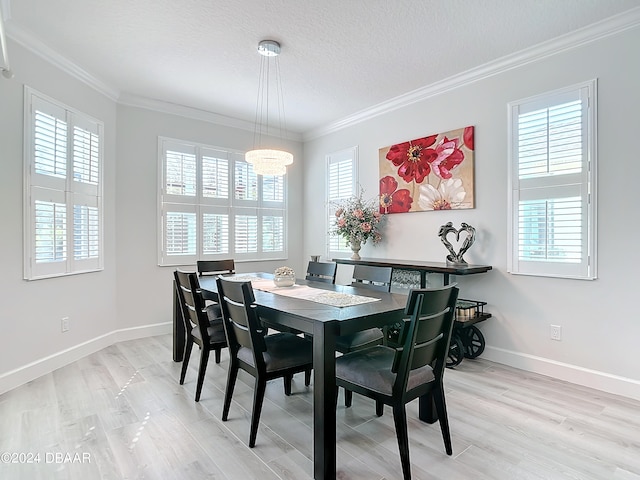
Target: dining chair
215,267
370,278
201,324
373,278
265,357
397,376
321,272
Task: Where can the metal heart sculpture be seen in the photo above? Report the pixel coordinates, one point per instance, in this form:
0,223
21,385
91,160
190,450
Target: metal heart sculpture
446,229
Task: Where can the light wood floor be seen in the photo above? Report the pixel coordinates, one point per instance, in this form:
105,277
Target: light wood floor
120,413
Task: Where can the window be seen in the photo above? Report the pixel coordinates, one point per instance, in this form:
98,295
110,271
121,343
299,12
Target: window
341,184
552,183
63,189
212,205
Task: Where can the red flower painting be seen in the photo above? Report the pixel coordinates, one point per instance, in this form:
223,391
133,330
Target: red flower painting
393,200
429,173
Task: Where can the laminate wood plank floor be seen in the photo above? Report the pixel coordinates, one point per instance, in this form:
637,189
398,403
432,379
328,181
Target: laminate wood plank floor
121,414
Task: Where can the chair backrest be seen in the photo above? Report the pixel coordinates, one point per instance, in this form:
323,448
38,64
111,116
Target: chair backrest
373,278
425,337
192,303
240,318
321,272
216,267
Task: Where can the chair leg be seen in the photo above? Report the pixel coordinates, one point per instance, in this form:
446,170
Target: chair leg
441,408
188,346
217,353
287,384
379,408
258,397
348,397
400,420
231,383
307,377
204,359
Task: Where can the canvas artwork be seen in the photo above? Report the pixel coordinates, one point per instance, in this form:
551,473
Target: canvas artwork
429,173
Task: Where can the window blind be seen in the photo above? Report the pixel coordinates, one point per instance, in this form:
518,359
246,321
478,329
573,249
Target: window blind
213,205
63,159
341,177
552,230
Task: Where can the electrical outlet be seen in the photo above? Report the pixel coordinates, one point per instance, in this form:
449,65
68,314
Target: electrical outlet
556,332
64,324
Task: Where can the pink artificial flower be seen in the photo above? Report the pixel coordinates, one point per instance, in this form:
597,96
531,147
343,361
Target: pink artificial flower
359,214
366,227
339,212
342,222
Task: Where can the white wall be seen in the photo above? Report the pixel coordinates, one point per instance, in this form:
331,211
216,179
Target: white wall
31,312
599,318
132,296
600,323
144,288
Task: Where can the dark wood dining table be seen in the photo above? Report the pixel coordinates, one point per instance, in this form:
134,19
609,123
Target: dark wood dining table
324,323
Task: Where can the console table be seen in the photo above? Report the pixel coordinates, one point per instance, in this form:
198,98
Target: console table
445,269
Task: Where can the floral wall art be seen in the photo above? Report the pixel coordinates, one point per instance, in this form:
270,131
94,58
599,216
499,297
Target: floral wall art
428,173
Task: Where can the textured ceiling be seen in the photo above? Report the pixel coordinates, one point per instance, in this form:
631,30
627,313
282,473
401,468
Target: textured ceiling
338,56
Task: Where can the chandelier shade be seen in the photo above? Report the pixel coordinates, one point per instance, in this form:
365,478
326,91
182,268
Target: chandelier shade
269,161
266,159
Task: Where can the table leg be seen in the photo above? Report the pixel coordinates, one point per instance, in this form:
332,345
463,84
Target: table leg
178,328
324,401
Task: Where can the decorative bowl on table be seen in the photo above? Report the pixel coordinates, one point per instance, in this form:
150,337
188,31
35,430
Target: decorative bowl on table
284,277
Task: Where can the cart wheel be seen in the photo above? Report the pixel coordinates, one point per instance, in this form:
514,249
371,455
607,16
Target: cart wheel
456,352
473,342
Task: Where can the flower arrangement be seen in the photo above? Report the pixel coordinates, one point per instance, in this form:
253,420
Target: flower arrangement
358,220
284,277
284,272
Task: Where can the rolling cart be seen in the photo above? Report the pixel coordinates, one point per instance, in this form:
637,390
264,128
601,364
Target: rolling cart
467,340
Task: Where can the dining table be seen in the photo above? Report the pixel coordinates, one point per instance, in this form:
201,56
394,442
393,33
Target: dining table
324,322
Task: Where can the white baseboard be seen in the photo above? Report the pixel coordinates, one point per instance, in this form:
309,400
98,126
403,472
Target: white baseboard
31,371
606,382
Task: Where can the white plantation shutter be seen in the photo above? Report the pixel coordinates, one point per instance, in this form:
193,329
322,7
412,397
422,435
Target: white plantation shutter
272,233
341,184
553,185
213,205
50,231
215,177
215,229
63,167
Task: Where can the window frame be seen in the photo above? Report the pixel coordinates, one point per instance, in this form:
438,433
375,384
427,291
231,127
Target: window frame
230,206
64,189
554,188
343,155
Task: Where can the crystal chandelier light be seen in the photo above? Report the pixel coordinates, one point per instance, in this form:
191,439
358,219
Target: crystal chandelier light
268,161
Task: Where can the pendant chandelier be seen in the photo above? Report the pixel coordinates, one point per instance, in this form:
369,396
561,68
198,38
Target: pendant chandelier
268,161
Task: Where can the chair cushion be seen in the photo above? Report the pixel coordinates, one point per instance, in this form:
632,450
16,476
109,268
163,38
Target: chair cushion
359,340
284,350
371,368
215,331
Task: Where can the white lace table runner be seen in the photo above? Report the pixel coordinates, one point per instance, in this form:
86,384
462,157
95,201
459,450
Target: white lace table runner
305,292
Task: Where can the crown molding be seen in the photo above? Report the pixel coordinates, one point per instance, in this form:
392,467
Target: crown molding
569,41
31,43
203,115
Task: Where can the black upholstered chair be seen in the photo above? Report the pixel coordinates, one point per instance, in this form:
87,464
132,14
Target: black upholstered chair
321,272
373,278
201,324
215,267
266,357
397,376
